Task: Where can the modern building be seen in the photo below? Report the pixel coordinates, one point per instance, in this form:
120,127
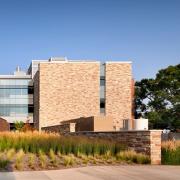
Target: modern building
16,97
58,90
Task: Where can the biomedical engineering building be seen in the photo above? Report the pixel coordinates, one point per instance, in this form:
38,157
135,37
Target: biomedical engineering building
58,90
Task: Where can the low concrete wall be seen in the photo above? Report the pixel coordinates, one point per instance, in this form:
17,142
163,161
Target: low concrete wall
147,142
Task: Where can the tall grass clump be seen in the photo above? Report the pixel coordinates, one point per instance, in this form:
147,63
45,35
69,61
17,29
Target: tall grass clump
52,157
3,162
170,152
42,159
69,160
19,159
133,157
31,160
10,154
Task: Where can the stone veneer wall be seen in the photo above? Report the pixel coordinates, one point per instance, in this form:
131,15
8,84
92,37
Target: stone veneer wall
147,142
62,128
67,90
118,92
4,125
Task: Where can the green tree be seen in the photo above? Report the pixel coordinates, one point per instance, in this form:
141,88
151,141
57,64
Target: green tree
159,99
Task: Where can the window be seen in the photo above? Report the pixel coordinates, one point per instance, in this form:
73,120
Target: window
102,87
102,81
30,90
13,110
102,105
30,108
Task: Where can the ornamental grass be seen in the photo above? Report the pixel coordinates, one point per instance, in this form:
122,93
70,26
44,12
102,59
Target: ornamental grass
40,150
32,142
171,152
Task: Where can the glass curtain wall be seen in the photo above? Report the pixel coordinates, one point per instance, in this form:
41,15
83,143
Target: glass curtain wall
16,99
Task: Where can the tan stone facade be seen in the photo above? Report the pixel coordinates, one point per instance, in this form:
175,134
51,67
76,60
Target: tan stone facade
119,92
70,90
66,90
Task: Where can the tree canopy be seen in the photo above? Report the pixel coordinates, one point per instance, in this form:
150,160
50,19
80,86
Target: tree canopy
159,99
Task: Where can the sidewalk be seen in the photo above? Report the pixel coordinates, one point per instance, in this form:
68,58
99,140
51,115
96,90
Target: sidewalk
100,173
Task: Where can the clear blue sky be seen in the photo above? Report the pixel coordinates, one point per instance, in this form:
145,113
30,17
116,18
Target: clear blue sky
144,31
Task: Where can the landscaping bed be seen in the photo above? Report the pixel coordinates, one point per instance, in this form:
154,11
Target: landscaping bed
40,151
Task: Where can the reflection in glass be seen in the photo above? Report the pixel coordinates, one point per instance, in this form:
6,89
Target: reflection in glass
14,97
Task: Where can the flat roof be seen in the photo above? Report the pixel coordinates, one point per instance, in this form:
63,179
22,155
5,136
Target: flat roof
79,61
15,77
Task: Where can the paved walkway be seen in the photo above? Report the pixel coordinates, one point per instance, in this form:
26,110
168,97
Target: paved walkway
100,173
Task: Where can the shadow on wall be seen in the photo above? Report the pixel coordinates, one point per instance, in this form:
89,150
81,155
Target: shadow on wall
93,123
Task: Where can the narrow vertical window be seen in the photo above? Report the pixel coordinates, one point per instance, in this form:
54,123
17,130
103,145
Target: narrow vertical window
102,88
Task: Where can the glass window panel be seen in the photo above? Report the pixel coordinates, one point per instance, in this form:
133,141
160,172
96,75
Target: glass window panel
102,82
7,110
24,91
30,90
